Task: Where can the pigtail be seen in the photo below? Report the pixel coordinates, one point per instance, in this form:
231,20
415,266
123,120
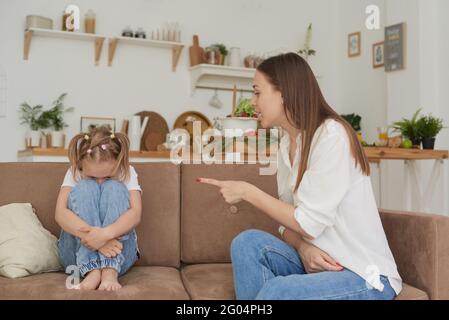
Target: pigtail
123,155
74,153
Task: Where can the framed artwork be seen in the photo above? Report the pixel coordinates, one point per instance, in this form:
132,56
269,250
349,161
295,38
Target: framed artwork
89,123
395,37
378,55
354,44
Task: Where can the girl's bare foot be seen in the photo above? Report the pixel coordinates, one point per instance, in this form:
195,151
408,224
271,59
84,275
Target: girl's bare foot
91,281
109,281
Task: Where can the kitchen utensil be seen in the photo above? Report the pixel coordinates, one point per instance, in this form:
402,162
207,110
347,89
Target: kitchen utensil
136,130
215,101
156,131
197,54
185,121
234,97
234,57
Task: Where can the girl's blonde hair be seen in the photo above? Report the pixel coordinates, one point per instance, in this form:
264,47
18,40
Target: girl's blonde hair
99,145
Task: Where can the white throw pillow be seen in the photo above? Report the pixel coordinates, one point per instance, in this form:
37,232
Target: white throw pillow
26,247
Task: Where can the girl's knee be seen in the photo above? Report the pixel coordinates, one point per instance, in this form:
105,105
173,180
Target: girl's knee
87,187
113,186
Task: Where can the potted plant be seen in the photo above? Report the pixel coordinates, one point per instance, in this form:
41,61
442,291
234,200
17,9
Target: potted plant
31,116
55,120
428,129
354,120
223,52
307,51
409,129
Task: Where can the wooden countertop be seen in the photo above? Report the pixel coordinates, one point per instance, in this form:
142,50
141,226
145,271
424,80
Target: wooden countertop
63,153
374,154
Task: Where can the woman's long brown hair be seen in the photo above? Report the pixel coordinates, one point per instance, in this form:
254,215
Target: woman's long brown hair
305,106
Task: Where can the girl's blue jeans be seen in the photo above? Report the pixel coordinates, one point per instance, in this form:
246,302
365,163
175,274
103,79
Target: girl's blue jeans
99,205
266,268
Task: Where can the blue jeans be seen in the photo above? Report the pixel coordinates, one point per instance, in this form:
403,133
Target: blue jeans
99,205
266,268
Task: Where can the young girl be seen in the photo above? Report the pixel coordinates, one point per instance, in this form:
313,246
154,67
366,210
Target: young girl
334,245
98,207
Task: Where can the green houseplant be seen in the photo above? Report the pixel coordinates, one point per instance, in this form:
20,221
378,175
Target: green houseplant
355,121
307,51
409,128
54,117
428,129
32,117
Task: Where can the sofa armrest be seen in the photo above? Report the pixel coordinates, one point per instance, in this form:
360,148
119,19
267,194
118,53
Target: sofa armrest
420,246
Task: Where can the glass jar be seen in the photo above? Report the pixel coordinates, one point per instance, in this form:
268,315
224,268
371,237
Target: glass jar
89,21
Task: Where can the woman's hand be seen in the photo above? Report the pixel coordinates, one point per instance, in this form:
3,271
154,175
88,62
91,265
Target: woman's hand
112,248
233,192
316,260
94,238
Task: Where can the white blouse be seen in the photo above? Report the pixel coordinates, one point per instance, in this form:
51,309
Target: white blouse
335,205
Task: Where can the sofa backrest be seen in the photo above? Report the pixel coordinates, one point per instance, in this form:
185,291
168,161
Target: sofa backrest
159,231
208,223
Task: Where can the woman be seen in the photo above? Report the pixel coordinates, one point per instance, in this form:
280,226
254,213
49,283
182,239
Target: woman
334,245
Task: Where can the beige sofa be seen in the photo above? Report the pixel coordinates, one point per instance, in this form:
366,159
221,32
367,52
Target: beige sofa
187,228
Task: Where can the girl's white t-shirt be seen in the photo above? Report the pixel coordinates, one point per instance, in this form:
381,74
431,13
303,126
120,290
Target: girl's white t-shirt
335,204
131,184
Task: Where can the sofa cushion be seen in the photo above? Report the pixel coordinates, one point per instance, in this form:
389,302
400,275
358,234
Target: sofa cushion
411,293
215,282
420,246
140,283
26,248
208,223
159,231
209,281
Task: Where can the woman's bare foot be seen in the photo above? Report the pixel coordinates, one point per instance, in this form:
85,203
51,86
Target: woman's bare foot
91,281
109,280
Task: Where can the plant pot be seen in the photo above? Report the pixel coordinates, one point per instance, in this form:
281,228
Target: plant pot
428,143
57,139
238,126
34,139
416,142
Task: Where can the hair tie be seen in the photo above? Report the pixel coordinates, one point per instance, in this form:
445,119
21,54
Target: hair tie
86,137
89,151
112,136
104,146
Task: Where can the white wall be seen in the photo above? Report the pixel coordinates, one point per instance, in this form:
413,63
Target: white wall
423,84
141,78
362,89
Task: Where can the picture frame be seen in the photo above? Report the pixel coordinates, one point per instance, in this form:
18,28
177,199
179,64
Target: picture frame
378,55
354,44
88,123
395,46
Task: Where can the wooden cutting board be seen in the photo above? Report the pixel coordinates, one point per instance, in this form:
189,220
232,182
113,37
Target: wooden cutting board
156,131
196,53
185,121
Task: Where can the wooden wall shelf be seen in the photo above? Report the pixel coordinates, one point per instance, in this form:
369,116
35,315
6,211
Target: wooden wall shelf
209,76
176,47
98,40
31,32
